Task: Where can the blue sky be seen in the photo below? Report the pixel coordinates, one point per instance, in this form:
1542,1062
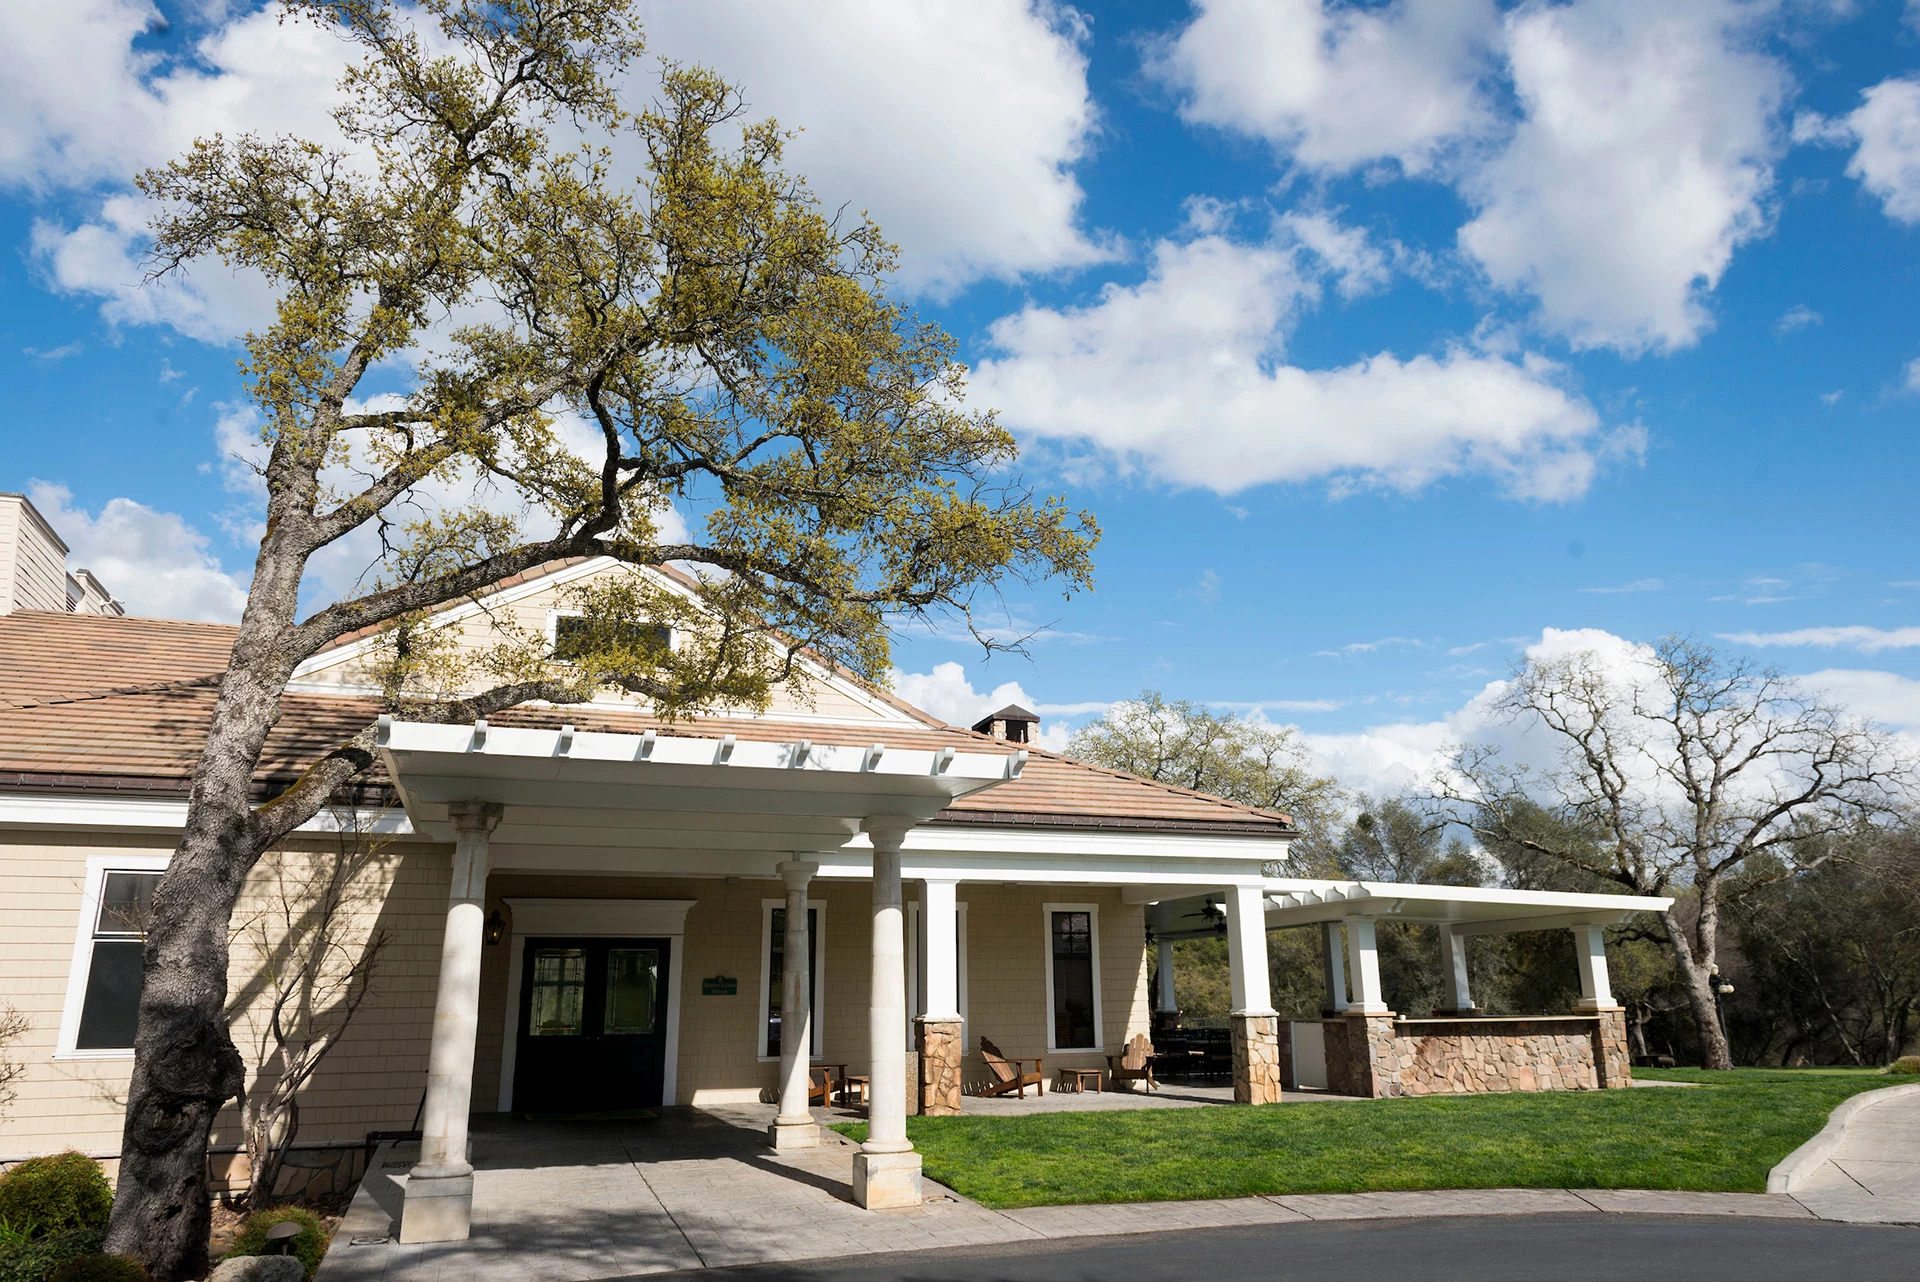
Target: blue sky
1382,338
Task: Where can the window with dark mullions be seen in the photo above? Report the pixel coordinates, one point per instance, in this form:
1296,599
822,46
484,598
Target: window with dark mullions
111,1009
777,976
1073,980
571,633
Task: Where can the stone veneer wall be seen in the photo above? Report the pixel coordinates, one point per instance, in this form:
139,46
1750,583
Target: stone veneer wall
1380,1056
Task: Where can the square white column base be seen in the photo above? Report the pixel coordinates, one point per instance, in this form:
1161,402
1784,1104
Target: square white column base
784,1135
886,1180
437,1209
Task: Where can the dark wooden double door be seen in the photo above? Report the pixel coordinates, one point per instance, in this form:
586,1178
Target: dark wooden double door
593,1025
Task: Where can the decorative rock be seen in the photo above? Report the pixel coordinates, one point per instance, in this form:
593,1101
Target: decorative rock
941,1049
259,1268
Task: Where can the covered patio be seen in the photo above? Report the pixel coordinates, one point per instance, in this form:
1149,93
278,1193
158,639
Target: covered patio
1362,1047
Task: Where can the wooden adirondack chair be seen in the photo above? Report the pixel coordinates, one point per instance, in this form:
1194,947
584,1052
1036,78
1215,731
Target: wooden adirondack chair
1135,1064
819,1086
1008,1075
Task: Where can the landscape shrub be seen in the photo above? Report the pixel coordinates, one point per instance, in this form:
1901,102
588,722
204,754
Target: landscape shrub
57,1194
1905,1064
100,1268
36,1260
309,1246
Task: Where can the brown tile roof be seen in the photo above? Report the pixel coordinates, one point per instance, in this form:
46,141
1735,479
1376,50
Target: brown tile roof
98,703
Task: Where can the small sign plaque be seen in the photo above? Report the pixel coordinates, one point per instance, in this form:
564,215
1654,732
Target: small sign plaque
719,986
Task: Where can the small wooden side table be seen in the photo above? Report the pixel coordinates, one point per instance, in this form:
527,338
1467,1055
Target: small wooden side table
1078,1078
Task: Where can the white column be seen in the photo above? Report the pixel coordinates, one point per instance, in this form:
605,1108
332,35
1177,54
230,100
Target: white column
439,1200
1164,999
886,1171
1363,959
1453,969
1247,951
1332,957
795,1127
1590,953
940,918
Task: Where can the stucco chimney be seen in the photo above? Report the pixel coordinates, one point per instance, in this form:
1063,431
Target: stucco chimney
33,566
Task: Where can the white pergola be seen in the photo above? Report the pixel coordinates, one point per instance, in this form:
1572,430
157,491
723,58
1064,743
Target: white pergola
593,801
1458,911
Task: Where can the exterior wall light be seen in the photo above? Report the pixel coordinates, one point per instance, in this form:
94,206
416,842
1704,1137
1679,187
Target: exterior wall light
496,927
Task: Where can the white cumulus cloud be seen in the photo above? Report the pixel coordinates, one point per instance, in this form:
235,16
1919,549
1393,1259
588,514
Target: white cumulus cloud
1885,129
957,126
1615,154
1336,86
956,123
948,693
1642,160
153,562
1181,376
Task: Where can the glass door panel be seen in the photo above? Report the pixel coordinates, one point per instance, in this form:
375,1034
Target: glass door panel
633,981
559,992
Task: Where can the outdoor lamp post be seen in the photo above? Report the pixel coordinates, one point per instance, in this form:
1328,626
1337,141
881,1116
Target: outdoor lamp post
1721,991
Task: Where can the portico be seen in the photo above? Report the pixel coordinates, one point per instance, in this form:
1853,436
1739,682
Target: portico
514,797
644,821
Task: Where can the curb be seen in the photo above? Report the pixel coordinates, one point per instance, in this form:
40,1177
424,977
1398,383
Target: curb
1798,1166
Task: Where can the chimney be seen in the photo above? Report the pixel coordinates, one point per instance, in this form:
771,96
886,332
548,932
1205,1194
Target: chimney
33,566
1012,723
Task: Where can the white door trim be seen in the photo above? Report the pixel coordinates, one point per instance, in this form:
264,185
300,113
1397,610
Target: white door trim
595,918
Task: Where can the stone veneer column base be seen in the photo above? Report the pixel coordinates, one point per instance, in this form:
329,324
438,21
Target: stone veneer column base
941,1049
883,1181
1612,1061
1256,1059
1366,1042
784,1134
438,1208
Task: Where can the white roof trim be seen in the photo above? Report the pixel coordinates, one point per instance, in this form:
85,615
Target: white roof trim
566,787
1469,909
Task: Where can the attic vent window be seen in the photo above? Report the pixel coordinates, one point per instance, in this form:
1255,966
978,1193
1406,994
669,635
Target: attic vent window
572,633
1013,723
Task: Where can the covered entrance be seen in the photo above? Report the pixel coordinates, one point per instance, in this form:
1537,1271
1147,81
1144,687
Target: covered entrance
592,1026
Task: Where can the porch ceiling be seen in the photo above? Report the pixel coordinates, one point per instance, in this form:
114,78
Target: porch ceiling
562,788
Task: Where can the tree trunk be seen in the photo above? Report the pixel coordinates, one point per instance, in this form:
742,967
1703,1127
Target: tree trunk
1700,996
270,1133
185,1065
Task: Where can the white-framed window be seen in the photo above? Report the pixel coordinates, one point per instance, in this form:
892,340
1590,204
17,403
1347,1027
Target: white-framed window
561,624
773,946
104,977
917,966
1072,943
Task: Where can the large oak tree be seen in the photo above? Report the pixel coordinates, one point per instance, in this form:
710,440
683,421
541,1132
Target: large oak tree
730,347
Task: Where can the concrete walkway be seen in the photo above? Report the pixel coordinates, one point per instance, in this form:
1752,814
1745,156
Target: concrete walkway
1874,1176
574,1201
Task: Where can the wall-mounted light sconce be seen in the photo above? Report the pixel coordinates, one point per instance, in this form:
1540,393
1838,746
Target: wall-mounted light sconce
496,927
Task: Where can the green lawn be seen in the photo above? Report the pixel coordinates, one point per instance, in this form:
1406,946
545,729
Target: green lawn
1724,1134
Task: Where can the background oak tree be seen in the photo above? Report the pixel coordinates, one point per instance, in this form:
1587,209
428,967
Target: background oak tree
1675,775
730,348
